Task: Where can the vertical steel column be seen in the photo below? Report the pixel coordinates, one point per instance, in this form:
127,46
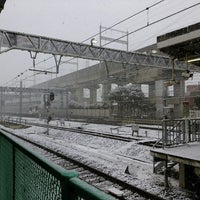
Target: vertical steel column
33,56
67,189
14,167
164,133
20,102
166,173
187,131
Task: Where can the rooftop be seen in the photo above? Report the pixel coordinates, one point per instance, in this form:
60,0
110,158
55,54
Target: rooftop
183,44
2,2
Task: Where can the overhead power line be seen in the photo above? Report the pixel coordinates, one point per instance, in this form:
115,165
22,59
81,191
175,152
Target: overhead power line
139,29
152,23
108,28
127,18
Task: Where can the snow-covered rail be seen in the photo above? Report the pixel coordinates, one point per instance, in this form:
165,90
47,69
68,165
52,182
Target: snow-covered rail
82,131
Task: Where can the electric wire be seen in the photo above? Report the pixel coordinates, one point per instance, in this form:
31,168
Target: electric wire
152,23
172,22
108,28
127,18
141,28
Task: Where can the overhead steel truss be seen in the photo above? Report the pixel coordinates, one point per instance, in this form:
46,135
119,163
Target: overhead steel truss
33,43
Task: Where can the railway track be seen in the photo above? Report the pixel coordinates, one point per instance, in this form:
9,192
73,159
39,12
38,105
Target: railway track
103,135
117,187
86,132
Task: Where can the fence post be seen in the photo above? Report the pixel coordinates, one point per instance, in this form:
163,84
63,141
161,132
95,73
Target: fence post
164,133
187,131
166,173
67,193
13,172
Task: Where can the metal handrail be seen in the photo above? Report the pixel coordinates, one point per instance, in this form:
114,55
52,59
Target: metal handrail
27,175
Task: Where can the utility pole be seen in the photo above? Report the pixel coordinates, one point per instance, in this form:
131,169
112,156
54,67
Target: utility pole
47,100
112,39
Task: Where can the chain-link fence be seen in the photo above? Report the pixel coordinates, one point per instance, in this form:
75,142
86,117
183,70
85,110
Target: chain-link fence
26,175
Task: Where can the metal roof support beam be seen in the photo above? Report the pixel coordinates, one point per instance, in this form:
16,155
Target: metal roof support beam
2,2
27,42
57,62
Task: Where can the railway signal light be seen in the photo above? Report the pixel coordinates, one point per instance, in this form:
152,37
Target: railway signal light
51,96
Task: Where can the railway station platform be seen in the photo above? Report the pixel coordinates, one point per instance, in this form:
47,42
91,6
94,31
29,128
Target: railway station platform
187,160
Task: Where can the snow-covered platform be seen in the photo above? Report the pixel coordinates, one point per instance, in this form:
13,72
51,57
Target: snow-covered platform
186,156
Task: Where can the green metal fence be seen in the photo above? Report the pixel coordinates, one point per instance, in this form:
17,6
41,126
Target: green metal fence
26,175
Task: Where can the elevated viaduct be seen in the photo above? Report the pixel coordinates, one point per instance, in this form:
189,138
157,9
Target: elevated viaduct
116,66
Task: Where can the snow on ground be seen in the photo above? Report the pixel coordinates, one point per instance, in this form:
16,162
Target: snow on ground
110,155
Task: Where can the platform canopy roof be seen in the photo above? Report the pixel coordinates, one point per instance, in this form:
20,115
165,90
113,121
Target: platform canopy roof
183,44
2,2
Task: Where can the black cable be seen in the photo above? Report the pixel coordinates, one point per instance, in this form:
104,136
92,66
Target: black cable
110,27
127,18
152,23
141,28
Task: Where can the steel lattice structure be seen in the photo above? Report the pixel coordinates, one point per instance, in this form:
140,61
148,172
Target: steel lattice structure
40,44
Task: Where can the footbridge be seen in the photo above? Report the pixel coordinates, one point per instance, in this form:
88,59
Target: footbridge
14,40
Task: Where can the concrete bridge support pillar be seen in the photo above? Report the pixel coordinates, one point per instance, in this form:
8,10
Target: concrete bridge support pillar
160,93
62,100
93,95
151,91
139,86
106,90
179,93
79,95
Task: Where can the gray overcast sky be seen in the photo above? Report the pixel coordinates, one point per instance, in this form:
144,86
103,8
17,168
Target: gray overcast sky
76,20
